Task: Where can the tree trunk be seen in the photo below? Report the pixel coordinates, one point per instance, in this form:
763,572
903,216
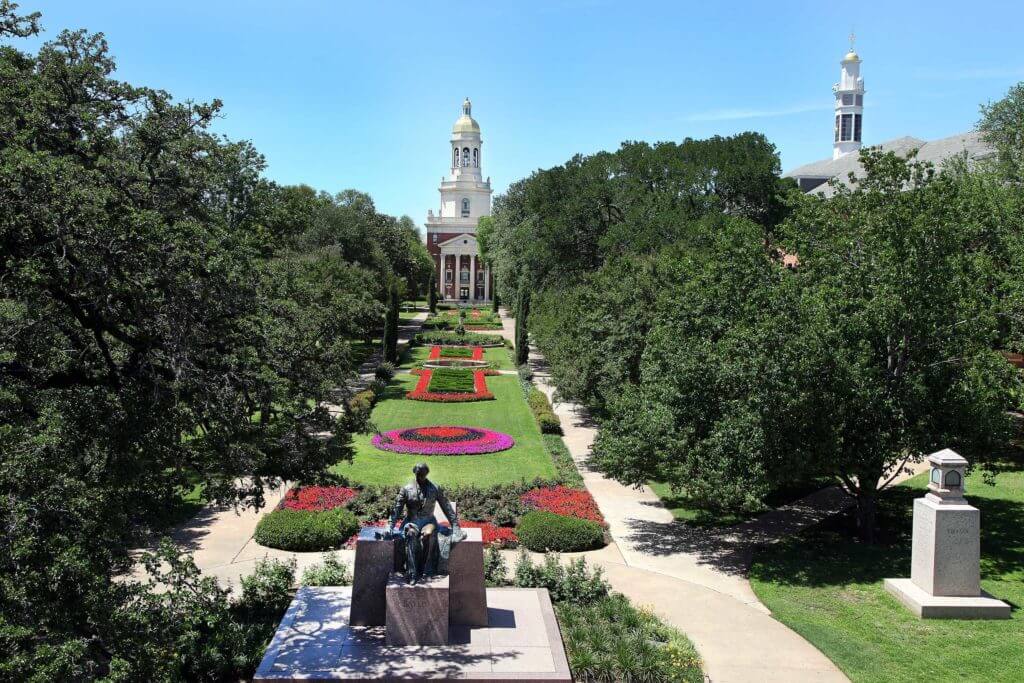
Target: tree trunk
867,514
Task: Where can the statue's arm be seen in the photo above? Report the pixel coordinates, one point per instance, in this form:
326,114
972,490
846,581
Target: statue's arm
446,507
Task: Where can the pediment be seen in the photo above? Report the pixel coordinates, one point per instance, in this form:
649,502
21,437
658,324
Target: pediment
466,240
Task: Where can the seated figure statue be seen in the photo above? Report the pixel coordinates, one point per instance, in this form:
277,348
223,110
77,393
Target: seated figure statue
419,526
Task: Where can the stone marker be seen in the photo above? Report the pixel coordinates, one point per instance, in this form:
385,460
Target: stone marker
417,614
944,568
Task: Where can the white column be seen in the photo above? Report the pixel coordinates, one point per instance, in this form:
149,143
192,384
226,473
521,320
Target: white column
472,277
487,282
440,276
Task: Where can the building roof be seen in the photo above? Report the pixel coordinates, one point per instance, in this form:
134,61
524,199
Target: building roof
466,123
936,152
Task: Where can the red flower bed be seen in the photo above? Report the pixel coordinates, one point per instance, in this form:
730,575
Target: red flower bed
502,536
563,501
317,497
435,353
422,392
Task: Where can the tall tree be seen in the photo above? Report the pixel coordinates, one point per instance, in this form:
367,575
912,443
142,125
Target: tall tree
522,327
391,323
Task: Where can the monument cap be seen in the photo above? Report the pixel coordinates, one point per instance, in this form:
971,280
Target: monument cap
946,479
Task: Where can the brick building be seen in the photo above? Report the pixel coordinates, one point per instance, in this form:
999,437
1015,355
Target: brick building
451,234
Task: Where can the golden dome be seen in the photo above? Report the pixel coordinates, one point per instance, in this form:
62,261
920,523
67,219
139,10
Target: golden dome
466,123
851,56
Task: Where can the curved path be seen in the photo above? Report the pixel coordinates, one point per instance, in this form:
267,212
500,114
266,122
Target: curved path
693,578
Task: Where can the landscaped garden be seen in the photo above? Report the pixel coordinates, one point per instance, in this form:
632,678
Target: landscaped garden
827,586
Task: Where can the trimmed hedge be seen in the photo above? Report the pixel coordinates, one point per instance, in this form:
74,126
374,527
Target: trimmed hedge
542,531
542,412
306,530
456,339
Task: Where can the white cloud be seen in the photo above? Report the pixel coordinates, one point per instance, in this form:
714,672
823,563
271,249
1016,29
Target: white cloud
739,114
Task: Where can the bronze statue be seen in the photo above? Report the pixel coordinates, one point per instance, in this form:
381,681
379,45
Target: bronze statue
420,527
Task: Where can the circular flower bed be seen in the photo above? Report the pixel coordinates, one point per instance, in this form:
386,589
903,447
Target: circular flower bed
443,440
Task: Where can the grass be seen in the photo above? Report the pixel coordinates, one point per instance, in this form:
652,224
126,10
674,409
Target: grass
499,357
696,514
448,381
509,413
456,352
827,587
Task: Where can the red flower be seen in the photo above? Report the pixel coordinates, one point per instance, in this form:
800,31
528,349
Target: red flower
435,353
317,497
563,501
502,536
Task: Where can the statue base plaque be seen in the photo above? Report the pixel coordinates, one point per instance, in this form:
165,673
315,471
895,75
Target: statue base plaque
417,614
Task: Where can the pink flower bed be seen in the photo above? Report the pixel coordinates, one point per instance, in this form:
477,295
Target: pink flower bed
564,501
317,497
443,440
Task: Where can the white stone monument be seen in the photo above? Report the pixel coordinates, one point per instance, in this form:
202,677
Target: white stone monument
944,578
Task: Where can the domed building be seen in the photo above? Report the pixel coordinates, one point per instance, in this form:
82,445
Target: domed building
451,233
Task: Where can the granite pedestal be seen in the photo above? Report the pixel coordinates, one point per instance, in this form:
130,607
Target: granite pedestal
375,561
316,643
417,614
945,579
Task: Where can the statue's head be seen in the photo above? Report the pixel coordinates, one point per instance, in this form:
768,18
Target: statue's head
420,470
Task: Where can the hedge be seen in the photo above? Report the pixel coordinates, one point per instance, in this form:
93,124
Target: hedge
455,339
306,530
542,531
542,412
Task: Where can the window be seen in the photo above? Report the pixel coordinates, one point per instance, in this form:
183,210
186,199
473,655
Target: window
464,276
860,100
476,157
846,128
455,157
435,238
856,127
837,127
465,208
448,275
465,156
479,276
847,99
953,479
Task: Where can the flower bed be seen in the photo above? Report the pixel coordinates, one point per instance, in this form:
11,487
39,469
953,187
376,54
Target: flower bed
472,353
317,497
455,339
501,536
443,440
424,391
564,501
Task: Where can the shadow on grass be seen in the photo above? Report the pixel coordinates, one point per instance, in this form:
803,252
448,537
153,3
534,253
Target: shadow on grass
832,555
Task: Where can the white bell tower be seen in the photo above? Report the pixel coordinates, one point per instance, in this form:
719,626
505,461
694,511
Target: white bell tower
849,93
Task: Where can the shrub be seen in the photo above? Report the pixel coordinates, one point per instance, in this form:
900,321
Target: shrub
495,568
542,412
564,464
330,572
453,339
610,640
304,530
385,371
359,408
269,588
543,531
457,352
575,583
377,387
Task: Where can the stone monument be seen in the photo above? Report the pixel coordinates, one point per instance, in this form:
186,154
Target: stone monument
418,611
944,567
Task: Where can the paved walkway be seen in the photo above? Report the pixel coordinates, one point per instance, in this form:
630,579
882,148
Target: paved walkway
696,578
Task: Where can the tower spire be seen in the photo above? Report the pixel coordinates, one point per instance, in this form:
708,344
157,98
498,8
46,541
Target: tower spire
849,104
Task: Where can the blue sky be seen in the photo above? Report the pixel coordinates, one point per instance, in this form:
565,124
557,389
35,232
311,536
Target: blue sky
363,95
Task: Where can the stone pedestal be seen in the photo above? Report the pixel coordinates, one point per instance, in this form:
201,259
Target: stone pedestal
375,561
468,599
945,580
946,548
417,615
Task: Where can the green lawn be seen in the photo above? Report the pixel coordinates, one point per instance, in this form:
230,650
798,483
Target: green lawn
445,380
828,588
499,357
509,413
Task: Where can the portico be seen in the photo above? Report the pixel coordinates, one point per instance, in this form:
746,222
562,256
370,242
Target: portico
451,234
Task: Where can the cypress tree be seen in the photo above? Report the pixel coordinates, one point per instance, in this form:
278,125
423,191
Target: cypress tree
391,325
522,315
494,297
432,296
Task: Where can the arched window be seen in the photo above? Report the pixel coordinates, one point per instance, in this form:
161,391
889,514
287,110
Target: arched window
476,157
953,479
455,157
465,207
465,156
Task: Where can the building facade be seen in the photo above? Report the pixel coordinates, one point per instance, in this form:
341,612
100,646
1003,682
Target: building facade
451,234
